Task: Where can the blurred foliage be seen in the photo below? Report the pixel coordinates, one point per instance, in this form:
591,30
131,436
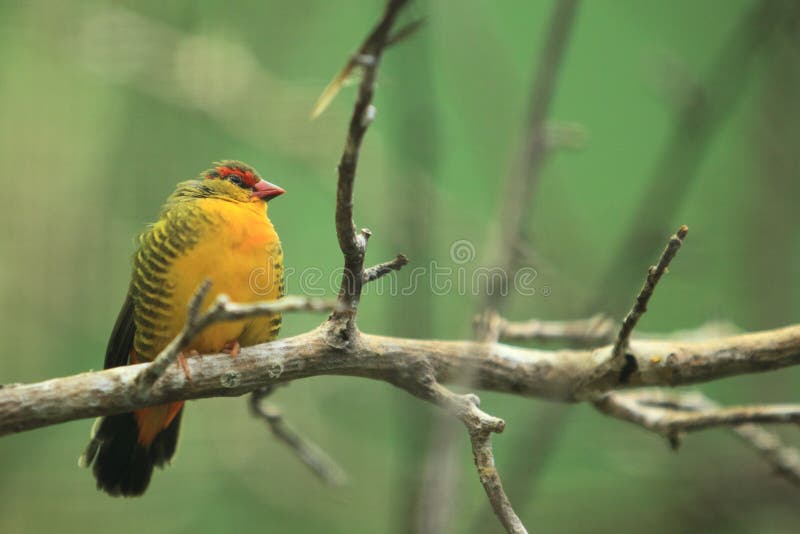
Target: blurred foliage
106,105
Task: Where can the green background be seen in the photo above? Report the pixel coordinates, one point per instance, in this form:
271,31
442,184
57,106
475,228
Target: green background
104,106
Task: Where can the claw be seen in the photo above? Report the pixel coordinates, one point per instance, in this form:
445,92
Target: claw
232,348
181,361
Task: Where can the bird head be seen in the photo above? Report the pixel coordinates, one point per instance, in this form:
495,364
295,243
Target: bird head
240,182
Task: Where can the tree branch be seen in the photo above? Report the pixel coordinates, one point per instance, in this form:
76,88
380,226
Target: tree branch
353,243
785,460
670,415
595,330
221,310
420,367
309,453
598,330
382,269
554,375
654,275
480,427
679,416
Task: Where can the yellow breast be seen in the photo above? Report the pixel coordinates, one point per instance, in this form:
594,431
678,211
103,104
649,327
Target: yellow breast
237,249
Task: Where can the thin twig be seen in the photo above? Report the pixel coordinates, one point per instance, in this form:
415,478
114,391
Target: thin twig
654,274
670,415
361,58
785,460
351,242
593,331
382,269
734,415
341,324
309,453
480,427
599,330
678,415
221,310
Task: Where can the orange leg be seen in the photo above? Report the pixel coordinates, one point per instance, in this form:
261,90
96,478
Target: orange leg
232,347
181,361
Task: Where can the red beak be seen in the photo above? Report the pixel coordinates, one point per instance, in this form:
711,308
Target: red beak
267,191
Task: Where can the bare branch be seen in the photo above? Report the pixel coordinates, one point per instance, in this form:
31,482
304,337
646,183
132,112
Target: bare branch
382,269
670,414
221,310
600,329
785,460
420,367
341,324
578,332
309,453
379,37
480,427
654,274
735,415
678,416
352,243
560,375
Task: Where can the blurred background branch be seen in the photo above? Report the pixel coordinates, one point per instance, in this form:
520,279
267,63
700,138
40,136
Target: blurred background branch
515,244
309,453
701,109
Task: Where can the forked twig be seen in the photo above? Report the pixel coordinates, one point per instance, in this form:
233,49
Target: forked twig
353,243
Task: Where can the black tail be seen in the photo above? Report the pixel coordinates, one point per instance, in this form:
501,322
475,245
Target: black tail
121,465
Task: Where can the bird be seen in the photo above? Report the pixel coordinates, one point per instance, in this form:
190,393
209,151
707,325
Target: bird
214,228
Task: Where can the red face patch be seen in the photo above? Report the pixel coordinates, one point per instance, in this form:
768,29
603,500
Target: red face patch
247,177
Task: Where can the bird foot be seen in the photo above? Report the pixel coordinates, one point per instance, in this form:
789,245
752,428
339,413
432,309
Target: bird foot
232,347
181,362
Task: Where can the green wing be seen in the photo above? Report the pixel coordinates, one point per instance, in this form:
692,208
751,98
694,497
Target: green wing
121,341
180,227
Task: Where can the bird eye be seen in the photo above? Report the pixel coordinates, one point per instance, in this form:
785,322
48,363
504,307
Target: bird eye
236,179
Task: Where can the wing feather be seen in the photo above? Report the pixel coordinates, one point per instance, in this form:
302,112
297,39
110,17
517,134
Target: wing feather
121,340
